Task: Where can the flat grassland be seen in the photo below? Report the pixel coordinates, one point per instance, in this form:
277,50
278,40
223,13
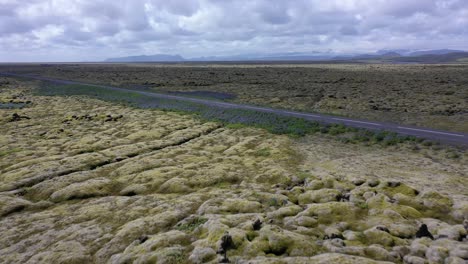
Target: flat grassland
433,96
88,181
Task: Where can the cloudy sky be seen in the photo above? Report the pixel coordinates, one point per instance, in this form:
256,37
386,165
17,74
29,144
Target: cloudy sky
90,30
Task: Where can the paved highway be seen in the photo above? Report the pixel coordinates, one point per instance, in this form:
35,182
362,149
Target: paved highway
453,138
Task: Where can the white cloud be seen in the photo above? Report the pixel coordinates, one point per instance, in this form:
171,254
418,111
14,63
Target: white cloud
66,29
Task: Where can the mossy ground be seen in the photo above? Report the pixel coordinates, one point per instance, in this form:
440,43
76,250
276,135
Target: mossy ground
88,181
423,95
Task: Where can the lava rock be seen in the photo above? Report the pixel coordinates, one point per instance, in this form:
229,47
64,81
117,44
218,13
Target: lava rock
257,225
393,184
383,228
373,182
16,117
358,182
424,232
202,255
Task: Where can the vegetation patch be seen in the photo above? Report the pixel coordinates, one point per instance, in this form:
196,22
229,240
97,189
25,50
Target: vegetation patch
419,95
205,94
180,190
8,151
231,117
264,152
191,225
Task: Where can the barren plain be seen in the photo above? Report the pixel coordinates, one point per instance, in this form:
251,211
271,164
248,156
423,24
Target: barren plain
88,181
434,96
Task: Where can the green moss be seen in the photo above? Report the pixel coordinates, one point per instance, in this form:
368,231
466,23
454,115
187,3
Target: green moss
264,152
231,118
374,236
319,196
333,212
407,211
380,203
175,257
427,143
362,205
273,202
189,227
436,204
337,129
236,126
9,151
251,235
401,188
223,185
301,175
453,155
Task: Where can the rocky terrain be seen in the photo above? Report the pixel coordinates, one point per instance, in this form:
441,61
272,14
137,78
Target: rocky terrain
87,181
433,96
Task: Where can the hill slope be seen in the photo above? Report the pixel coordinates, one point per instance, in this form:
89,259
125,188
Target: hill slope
147,58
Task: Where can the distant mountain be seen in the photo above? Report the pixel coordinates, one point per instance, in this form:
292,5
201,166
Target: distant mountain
364,57
386,55
390,55
295,58
383,56
289,56
402,52
148,58
433,58
434,52
428,56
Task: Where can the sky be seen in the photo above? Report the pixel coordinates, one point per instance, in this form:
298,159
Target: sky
93,30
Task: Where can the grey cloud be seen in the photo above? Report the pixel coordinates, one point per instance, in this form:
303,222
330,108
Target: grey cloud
10,25
403,8
110,10
274,12
7,10
104,28
348,30
181,7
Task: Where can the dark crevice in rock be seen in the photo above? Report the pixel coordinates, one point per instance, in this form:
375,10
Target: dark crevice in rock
276,251
343,197
257,225
333,236
383,228
424,232
142,239
15,209
100,164
15,117
29,182
131,193
81,197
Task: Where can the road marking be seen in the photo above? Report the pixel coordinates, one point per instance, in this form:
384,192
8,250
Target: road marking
361,122
430,131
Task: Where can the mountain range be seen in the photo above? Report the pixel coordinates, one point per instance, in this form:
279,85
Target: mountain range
146,58
385,56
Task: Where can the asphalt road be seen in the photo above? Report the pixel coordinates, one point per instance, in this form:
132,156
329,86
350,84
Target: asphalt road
453,138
